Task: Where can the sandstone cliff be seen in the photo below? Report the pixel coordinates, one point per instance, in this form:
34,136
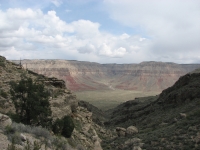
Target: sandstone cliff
78,75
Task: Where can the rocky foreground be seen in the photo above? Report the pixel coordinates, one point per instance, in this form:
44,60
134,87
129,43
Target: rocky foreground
63,102
169,121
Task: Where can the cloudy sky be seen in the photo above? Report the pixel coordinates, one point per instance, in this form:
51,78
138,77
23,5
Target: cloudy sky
104,31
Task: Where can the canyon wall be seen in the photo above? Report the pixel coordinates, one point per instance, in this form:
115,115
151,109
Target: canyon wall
81,75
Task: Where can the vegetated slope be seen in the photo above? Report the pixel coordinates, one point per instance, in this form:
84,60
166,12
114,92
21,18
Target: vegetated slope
98,116
80,76
63,102
168,121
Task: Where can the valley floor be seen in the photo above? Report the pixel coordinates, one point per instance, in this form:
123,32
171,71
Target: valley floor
109,99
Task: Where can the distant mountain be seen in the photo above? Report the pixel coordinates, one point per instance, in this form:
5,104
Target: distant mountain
80,76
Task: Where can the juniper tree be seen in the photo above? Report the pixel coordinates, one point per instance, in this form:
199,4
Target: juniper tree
31,102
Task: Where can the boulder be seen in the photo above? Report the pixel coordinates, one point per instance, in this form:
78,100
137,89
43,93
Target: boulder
23,137
121,131
137,148
102,131
5,120
131,130
183,115
133,141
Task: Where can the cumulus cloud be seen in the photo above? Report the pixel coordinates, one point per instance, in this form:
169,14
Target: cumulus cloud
167,31
172,26
105,50
28,33
88,48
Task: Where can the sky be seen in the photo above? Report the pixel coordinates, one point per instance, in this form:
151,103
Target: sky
103,31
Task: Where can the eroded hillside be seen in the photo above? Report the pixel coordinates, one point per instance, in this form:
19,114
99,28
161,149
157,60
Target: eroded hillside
80,76
169,121
63,103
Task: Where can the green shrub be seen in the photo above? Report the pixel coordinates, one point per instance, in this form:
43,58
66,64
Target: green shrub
31,102
9,130
53,142
37,131
2,64
13,135
68,126
3,94
78,125
36,146
60,144
16,138
64,126
12,146
14,117
57,126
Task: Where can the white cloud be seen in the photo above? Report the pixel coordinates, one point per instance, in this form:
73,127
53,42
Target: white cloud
124,36
119,52
170,32
105,50
33,34
142,39
86,29
172,26
88,48
57,2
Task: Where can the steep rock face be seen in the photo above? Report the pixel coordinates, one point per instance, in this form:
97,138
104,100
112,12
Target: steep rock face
78,75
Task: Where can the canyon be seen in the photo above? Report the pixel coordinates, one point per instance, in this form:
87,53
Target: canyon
89,76
169,120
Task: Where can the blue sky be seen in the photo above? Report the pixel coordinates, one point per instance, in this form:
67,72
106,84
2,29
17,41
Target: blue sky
104,31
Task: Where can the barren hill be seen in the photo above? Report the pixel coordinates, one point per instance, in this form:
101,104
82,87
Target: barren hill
80,76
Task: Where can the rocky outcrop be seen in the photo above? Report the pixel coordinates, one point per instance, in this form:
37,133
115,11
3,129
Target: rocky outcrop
98,116
136,148
131,130
121,132
86,134
79,75
63,103
5,121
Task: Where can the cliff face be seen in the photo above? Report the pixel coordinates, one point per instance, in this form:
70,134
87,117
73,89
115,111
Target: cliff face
146,76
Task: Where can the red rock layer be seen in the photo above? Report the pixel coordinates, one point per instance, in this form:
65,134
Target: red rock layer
80,76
